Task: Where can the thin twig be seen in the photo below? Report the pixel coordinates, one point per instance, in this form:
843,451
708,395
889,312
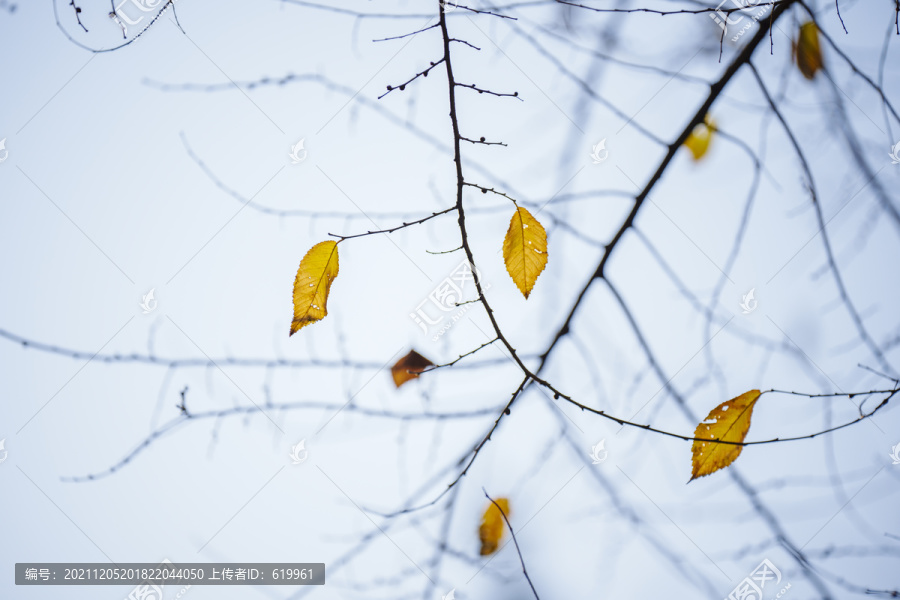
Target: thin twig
402,86
472,86
485,190
405,35
837,6
663,13
403,225
150,24
470,45
77,10
515,541
481,140
460,357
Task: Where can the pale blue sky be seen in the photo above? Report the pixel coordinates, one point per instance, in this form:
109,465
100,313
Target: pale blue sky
102,202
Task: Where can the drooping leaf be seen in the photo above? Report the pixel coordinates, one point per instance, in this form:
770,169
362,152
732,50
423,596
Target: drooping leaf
525,250
409,367
729,422
313,282
699,139
492,525
807,52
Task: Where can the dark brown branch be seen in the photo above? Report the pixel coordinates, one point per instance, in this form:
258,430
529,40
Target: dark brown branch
625,422
150,24
466,43
486,91
403,225
183,406
515,541
715,90
485,190
472,455
837,7
482,141
480,12
77,10
461,356
684,11
405,35
460,210
403,85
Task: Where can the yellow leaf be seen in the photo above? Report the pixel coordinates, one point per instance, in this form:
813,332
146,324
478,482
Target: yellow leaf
409,367
699,139
317,270
525,250
806,49
492,525
730,422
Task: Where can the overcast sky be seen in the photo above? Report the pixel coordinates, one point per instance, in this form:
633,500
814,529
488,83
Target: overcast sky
134,170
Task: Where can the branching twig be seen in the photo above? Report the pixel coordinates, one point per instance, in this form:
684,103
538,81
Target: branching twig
481,141
485,190
664,13
405,35
403,85
470,45
77,10
486,91
150,24
625,422
460,357
481,12
403,225
472,455
183,406
715,89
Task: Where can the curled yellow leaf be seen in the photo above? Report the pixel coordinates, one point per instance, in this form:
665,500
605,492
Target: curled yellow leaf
313,282
409,367
806,49
525,250
729,422
699,139
492,525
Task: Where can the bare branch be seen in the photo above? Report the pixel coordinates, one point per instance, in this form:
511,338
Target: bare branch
403,85
515,541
